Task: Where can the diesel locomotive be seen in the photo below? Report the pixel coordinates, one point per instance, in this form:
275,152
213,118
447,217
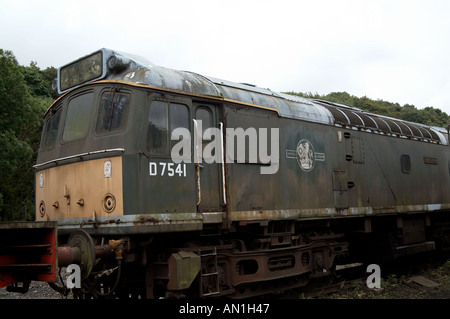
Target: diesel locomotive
158,183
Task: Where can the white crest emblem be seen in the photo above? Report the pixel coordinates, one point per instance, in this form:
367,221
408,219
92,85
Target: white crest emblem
305,155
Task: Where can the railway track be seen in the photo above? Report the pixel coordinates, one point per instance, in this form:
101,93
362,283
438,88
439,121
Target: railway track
425,276
420,277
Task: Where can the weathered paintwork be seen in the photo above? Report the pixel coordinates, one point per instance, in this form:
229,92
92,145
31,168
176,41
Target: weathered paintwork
86,189
304,183
353,173
353,165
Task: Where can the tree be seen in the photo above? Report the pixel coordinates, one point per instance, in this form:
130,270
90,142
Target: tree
38,81
428,116
341,98
23,101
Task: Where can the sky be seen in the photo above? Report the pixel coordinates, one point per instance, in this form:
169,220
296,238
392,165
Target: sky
392,50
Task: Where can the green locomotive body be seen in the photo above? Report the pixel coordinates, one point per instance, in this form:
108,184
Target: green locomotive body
211,187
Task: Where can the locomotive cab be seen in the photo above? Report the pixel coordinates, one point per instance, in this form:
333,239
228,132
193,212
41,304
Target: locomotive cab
106,156
79,165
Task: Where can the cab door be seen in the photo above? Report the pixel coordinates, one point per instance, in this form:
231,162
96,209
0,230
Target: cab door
208,155
166,183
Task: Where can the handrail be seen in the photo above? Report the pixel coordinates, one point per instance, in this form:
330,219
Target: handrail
197,154
224,194
80,155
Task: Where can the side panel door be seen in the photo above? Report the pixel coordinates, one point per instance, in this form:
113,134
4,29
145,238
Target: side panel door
209,163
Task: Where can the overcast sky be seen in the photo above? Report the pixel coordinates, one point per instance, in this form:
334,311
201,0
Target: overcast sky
392,50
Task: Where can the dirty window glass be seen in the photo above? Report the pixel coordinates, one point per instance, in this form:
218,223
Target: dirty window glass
162,120
179,117
77,118
202,114
157,136
51,129
112,112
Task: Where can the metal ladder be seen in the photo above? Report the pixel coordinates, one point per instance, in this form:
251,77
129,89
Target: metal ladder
209,276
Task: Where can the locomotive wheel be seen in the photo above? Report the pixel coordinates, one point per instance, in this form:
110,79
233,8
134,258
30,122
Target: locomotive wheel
83,241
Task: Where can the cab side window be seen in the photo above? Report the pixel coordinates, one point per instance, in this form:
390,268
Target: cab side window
163,118
179,118
78,117
113,112
204,115
51,129
157,128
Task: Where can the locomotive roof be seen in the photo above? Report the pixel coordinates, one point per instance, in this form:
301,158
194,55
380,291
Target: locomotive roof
119,66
